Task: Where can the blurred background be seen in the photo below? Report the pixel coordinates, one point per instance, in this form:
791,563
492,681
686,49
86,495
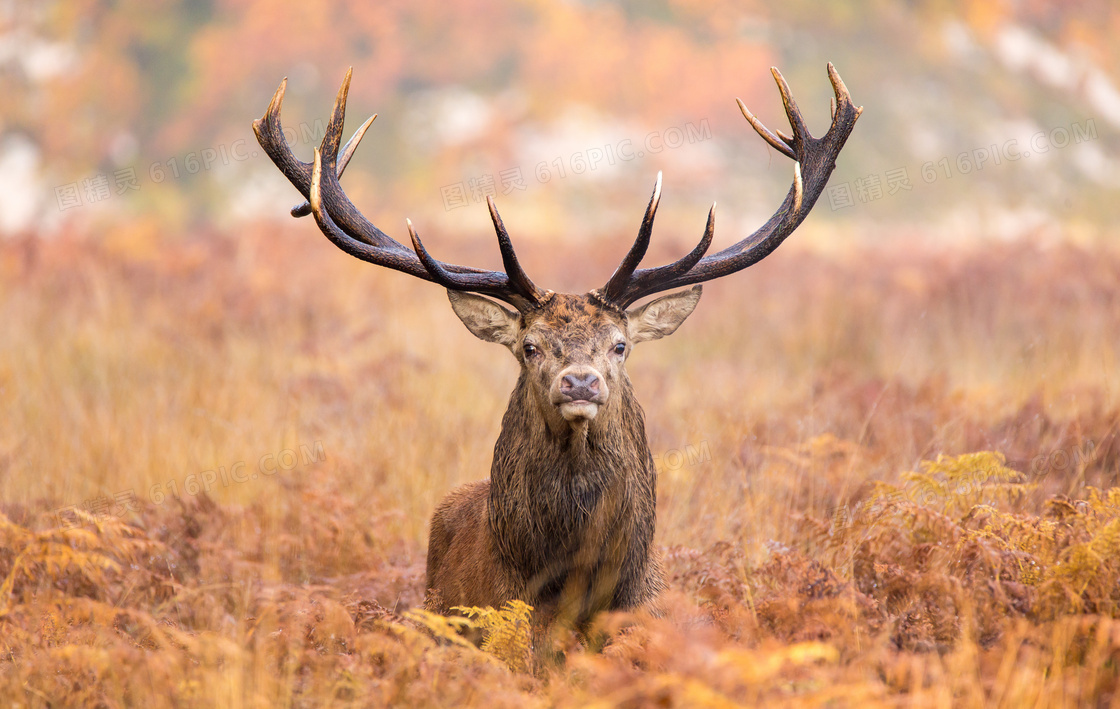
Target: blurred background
984,120
162,316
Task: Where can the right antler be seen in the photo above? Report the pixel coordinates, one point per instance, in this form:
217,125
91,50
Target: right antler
814,159
350,231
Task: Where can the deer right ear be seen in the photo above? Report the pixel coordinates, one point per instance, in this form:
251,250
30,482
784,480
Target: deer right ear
661,317
485,319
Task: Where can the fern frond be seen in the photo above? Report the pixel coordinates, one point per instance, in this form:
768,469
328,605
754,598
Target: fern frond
441,627
508,632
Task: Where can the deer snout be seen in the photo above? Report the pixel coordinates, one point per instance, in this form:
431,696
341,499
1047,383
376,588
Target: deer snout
584,386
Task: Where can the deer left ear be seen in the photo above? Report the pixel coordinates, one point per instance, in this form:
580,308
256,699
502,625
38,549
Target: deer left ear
662,316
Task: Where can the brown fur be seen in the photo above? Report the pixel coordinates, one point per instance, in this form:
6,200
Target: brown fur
460,554
566,521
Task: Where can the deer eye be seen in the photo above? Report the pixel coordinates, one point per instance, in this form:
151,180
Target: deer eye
530,350
620,349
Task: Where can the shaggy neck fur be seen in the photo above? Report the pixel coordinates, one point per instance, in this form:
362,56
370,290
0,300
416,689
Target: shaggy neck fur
576,504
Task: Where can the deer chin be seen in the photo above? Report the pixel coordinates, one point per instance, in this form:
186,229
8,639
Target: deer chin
579,411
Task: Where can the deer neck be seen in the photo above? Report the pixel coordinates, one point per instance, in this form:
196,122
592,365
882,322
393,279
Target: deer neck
585,483
611,445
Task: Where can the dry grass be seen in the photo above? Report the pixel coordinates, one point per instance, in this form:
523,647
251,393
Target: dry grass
829,541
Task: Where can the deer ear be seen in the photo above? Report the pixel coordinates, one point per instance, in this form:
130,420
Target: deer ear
484,318
661,317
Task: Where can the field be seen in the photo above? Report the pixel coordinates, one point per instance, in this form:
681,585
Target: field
888,477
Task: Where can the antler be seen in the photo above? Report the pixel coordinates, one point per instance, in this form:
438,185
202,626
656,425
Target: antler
814,160
350,231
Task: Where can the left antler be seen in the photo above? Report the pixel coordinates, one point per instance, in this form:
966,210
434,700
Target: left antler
350,231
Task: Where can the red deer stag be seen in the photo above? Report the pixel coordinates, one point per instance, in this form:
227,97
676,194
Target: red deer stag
566,520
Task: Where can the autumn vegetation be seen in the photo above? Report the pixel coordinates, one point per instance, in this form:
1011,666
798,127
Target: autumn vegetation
887,478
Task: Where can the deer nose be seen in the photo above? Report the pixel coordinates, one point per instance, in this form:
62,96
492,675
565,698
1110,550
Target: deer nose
578,387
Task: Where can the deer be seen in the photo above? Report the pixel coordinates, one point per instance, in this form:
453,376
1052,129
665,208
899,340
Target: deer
566,520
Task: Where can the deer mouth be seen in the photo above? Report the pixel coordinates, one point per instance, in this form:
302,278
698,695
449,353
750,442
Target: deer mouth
579,409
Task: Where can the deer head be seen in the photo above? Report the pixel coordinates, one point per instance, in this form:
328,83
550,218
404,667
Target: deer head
572,349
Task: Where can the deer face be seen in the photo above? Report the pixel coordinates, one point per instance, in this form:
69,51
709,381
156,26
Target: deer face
572,349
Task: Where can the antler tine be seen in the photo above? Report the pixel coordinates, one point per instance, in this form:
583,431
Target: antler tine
616,286
434,267
348,150
814,160
838,86
800,130
842,96
270,134
492,283
517,276
332,137
798,188
775,142
676,269
327,152
685,263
